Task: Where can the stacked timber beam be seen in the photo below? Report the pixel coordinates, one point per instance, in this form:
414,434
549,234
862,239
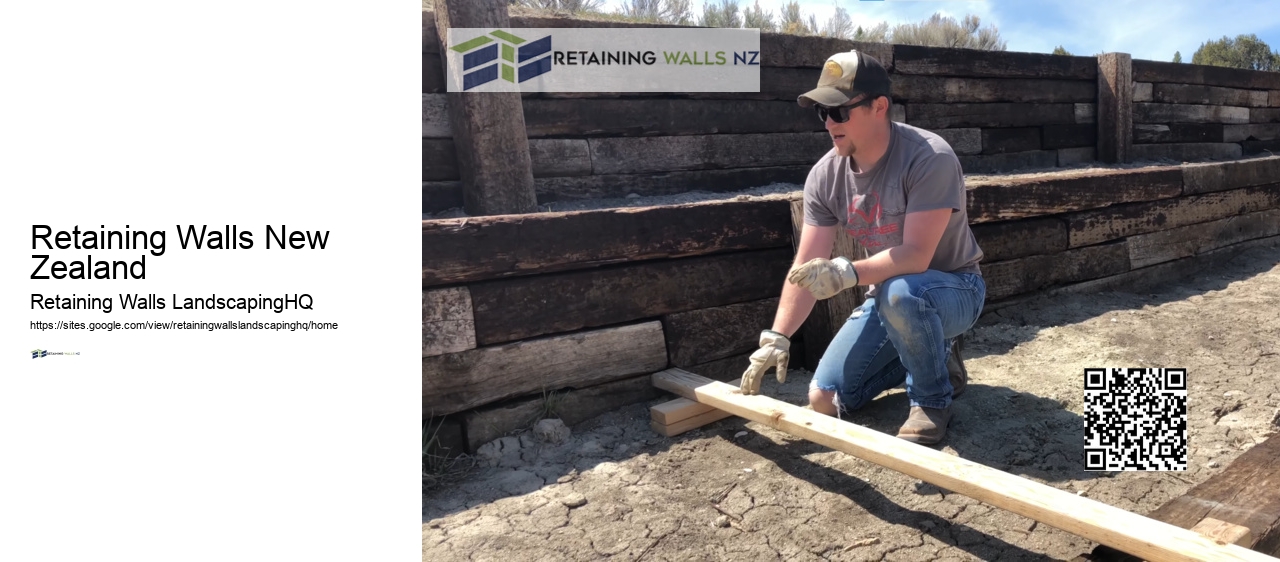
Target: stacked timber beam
1240,505
1186,112
1000,110
566,314
522,311
1078,231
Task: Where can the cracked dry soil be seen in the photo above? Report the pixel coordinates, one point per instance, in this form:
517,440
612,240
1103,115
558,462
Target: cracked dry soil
738,490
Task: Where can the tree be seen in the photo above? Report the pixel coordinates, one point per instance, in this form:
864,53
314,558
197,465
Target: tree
877,34
943,31
756,17
1060,51
571,6
839,26
676,12
726,14
793,22
1245,51
1177,57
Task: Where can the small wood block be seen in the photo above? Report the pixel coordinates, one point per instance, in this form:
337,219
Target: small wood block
689,424
680,409
1223,532
447,323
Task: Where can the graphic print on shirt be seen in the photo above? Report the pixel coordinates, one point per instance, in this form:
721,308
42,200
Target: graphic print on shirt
866,223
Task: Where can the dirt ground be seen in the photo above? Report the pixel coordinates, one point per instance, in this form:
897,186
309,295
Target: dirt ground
617,490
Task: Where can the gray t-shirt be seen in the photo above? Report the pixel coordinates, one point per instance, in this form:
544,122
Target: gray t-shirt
919,172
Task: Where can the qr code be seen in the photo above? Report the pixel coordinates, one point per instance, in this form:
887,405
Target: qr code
1135,419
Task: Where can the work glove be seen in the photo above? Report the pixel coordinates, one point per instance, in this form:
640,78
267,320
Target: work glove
775,351
824,278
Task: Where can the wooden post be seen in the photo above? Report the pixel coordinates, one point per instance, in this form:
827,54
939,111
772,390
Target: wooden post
488,127
1115,107
828,315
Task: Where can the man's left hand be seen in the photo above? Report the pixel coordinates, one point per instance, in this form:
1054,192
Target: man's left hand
825,278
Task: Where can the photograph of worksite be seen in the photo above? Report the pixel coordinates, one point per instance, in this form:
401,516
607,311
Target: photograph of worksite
955,281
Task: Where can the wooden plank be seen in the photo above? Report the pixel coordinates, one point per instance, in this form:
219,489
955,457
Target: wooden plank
1142,279
1036,273
630,155
1225,533
1020,139
488,128
1181,242
460,381
1257,115
1119,221
1079,155
1186,151
1115,107
705,334
547,158
945,115
1143,91
1256,131
940,89
1165,113
1181,73
435,117
962,141
940,61
657,116
1085,113
1178,132
447,322
827,316
680,409
782,49
1069,136
1064,510
1208,95
1008,240
1203,178
513,309
687,425
439,160
1273,98
1267,147
441,195
1003,163
605,186
559,157
484,248
1242,499
1020,197
570,405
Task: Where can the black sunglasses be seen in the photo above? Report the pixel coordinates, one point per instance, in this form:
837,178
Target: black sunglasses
840,113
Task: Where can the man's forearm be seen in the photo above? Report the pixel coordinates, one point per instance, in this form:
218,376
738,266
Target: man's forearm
890,263
793,307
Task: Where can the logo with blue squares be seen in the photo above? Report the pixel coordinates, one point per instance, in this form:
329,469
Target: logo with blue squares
38,353
502,55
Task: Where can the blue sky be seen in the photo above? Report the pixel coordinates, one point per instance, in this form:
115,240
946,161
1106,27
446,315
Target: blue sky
1146,30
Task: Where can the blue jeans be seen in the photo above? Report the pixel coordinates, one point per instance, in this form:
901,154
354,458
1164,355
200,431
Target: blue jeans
902,335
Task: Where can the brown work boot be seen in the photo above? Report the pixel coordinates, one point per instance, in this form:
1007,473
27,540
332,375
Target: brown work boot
925,426
955,368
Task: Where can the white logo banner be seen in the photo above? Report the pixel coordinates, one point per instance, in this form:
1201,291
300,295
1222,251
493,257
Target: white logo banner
603,60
